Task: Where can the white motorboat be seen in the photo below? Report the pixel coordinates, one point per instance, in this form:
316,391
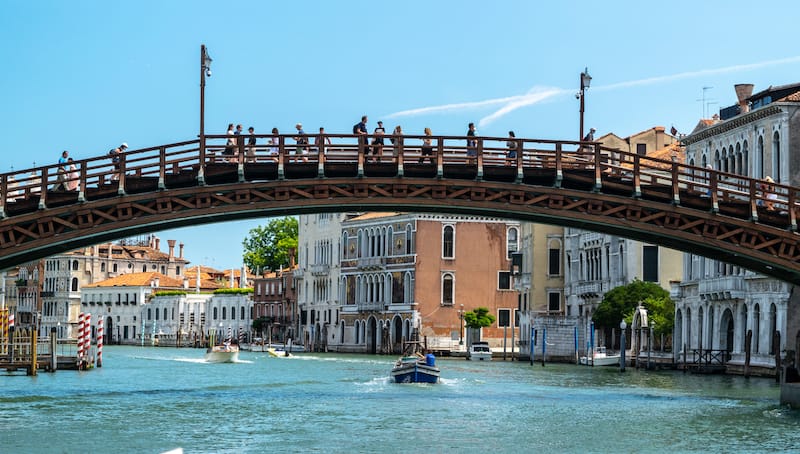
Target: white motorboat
601,358
480,351
225,353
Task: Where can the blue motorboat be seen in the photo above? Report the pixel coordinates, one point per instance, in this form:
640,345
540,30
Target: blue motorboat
416,369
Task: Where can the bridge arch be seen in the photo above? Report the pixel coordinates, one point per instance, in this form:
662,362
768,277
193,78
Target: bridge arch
707,212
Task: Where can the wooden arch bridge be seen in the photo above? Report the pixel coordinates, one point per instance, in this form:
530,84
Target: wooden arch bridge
55,208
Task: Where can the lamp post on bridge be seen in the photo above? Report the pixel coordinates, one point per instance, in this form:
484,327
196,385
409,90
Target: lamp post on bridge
586,80
205,71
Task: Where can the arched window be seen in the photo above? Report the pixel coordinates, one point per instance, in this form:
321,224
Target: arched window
215,313
103,267
233,313
114,268
512,241
241,313
756,327
448,242
773,328
224,312
776,157
448,289
409,249
743,324
739,169
74,286
745,159
760,156
74,265
165,313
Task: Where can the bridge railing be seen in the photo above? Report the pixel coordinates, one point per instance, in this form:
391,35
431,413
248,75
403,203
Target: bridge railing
179,165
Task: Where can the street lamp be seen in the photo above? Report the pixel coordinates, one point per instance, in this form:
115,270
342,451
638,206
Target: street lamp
205,71
622,326
461,326
586,80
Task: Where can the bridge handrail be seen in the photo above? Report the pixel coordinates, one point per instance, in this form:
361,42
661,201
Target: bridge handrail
98,174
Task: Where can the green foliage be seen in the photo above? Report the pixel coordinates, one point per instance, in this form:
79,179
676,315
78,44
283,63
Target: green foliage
170,293
620,302
261,323
267,247
233,291
478,318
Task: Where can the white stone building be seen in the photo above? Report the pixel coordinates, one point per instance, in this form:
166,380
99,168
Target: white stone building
717,304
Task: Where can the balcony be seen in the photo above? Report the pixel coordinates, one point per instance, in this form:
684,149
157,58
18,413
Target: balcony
722,288
371,263
320,270
365,307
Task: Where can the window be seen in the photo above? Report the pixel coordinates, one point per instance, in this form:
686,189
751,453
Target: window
215,313
553,301
504,280
75,265
241,313
512,241
448,289
641,149
554,262
448,240
503,317
114,268
103,267
650,263
75,283
224,313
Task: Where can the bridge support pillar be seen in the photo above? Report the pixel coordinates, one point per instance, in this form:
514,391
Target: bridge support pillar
240,172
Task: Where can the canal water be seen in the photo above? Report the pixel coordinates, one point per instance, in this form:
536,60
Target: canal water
150,400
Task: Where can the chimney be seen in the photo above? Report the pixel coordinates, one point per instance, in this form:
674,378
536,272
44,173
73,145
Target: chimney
158,244
291,258
743,91
171,244
180,248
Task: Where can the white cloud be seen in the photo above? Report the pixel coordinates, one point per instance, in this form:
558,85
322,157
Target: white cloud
538,94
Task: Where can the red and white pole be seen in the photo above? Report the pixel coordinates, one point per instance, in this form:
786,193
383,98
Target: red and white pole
100,342
87,336
81,318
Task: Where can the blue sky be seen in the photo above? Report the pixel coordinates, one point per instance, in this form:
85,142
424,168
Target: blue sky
85,76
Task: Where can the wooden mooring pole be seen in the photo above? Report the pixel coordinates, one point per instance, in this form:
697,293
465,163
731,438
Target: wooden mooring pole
33,366
53,352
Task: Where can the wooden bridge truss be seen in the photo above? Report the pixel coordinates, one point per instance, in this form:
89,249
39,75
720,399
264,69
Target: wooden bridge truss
52,209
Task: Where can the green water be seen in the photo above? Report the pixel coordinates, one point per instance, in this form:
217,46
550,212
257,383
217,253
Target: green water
150,400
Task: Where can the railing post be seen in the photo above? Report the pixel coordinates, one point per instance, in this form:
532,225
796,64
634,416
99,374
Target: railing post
676,190
598,171
439,158
398,142
122,172
240,149
362,150
753,200
201,171
712,187
637,179
43,189
479,175
520,171
281,157
321,156
82,184
3,195
559,166
162,171
792,208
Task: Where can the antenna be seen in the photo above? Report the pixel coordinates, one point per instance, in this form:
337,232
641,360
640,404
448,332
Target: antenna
706,102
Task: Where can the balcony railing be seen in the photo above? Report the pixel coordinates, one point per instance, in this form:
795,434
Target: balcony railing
320,270
371,263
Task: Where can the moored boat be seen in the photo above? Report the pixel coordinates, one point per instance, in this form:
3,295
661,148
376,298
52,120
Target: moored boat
479,351
601,358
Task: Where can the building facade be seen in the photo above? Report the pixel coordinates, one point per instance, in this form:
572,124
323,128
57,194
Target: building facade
718,304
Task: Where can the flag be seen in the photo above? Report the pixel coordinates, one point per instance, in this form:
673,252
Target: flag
674,131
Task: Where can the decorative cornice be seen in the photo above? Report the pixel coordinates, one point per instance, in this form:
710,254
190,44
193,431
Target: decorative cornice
731,124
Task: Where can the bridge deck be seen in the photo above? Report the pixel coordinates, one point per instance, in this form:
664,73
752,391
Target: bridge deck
558,177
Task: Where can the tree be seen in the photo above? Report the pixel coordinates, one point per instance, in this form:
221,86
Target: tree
478,318
620,302
268,247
